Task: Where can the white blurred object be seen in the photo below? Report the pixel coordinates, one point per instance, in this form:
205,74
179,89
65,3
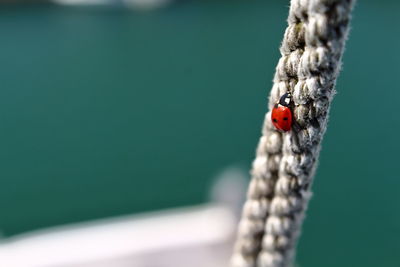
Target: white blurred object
153,240
196,236
229,188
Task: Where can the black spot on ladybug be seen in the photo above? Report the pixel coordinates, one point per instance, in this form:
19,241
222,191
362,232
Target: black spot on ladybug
285,118
275,120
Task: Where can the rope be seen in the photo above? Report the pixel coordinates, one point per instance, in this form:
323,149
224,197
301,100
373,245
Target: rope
285,163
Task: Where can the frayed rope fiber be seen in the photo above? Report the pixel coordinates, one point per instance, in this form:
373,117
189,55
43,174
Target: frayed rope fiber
285,163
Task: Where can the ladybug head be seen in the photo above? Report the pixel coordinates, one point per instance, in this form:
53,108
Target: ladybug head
285,99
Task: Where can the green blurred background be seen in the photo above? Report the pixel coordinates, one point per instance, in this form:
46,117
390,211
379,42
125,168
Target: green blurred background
107,111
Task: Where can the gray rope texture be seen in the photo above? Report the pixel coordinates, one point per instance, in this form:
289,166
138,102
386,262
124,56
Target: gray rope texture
285,163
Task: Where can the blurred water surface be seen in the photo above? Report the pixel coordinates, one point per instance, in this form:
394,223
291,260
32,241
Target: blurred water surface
108,111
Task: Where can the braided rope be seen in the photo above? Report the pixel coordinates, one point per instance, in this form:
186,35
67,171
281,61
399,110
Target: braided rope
285,163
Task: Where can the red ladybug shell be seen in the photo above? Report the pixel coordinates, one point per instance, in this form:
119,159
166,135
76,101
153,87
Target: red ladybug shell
281,117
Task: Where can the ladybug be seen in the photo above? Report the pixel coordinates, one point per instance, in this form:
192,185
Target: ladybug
282,114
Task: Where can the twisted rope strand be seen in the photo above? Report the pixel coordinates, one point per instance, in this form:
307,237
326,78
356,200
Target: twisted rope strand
285,163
